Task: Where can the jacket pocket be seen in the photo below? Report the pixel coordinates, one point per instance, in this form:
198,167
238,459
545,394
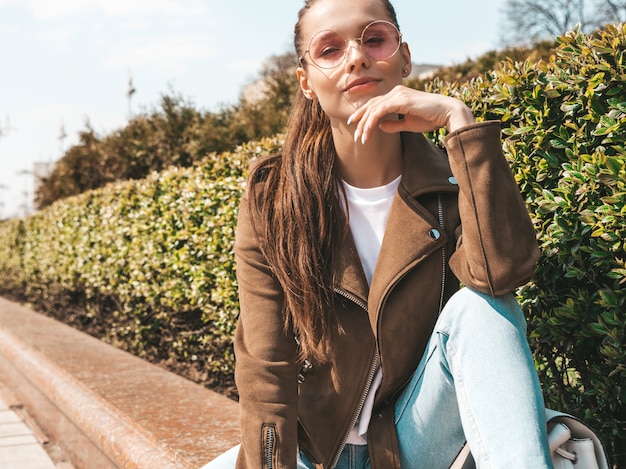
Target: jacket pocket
269,443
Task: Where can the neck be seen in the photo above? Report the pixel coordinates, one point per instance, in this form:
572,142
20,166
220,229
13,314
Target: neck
373,164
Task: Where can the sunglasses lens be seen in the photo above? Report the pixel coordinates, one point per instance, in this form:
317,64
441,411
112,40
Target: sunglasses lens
327,49
379,40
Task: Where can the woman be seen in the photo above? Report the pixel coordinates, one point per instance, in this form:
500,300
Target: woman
355,346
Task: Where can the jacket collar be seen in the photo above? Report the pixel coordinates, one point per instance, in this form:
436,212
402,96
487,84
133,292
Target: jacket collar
426,167
425,170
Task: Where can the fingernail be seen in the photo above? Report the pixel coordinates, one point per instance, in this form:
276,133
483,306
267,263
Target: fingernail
350,119
356,136
365,131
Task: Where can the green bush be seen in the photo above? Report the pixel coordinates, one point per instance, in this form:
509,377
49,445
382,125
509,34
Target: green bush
565,128
473,68
151,260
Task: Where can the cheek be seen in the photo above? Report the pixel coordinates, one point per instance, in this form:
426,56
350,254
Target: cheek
335,105
327,92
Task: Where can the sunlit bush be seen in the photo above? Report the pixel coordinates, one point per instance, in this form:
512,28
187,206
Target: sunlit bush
565,130
150,261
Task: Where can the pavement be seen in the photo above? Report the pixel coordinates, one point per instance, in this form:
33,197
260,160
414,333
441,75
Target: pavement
98,404
22,443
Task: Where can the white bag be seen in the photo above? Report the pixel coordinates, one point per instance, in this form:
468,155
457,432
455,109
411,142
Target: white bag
573,445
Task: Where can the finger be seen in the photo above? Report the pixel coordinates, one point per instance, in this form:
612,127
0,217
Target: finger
376,110
362,118
376,114
356,116
393,126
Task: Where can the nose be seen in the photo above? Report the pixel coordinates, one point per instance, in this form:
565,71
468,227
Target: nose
355,55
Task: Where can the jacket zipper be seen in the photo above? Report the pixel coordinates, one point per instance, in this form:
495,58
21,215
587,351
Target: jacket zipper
368,383
376,361
269,437
443,254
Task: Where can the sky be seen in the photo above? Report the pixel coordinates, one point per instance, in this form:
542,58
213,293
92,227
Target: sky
67,62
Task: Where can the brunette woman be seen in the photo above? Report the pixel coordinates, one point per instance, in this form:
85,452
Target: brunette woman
356,346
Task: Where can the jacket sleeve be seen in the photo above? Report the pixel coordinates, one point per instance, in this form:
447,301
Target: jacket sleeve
265,372
497,248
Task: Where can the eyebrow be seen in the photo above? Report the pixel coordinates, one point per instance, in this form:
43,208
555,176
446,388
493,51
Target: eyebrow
359,27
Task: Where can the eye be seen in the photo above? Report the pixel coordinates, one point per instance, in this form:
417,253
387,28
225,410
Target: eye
374,40
380,35
330,50
327,44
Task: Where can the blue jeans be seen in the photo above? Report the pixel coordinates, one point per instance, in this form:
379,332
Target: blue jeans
476,381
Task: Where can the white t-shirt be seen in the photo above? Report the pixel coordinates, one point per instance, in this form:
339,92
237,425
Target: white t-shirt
368,212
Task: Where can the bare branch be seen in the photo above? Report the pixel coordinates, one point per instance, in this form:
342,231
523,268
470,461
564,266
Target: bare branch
529,21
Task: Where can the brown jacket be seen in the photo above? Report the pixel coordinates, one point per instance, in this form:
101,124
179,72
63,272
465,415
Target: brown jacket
459,218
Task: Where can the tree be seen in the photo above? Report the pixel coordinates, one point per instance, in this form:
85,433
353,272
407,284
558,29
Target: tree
81,168
529,21
264,105
614,10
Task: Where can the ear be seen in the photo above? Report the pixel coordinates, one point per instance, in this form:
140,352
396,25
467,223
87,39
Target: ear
304,84
407,65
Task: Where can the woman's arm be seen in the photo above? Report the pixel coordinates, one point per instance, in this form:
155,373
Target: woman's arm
265,373
497,249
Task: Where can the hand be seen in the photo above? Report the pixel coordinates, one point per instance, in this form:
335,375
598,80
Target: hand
423,112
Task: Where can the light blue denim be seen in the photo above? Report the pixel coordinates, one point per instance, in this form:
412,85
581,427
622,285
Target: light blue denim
476,381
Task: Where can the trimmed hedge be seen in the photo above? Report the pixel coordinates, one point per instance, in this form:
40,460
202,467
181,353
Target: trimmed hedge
565,130
151,260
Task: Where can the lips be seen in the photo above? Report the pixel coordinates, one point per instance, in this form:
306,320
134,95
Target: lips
360,83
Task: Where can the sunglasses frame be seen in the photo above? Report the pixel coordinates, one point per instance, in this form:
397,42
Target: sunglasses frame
347,42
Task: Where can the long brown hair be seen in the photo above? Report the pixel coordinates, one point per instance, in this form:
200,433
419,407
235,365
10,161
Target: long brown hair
302,222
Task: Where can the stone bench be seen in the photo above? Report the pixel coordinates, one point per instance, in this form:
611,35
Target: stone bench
107,408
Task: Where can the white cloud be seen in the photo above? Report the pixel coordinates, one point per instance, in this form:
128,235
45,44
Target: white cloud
245,65
58,35
60,9
135,25
46,114
125,32
169,8
8,28
168,53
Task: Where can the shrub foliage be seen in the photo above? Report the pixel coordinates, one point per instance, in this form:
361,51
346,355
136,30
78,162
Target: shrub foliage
564,123
151,260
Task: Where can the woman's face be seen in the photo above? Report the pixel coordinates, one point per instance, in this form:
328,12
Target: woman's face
358,77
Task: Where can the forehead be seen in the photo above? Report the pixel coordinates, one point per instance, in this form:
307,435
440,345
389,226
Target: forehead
346,17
